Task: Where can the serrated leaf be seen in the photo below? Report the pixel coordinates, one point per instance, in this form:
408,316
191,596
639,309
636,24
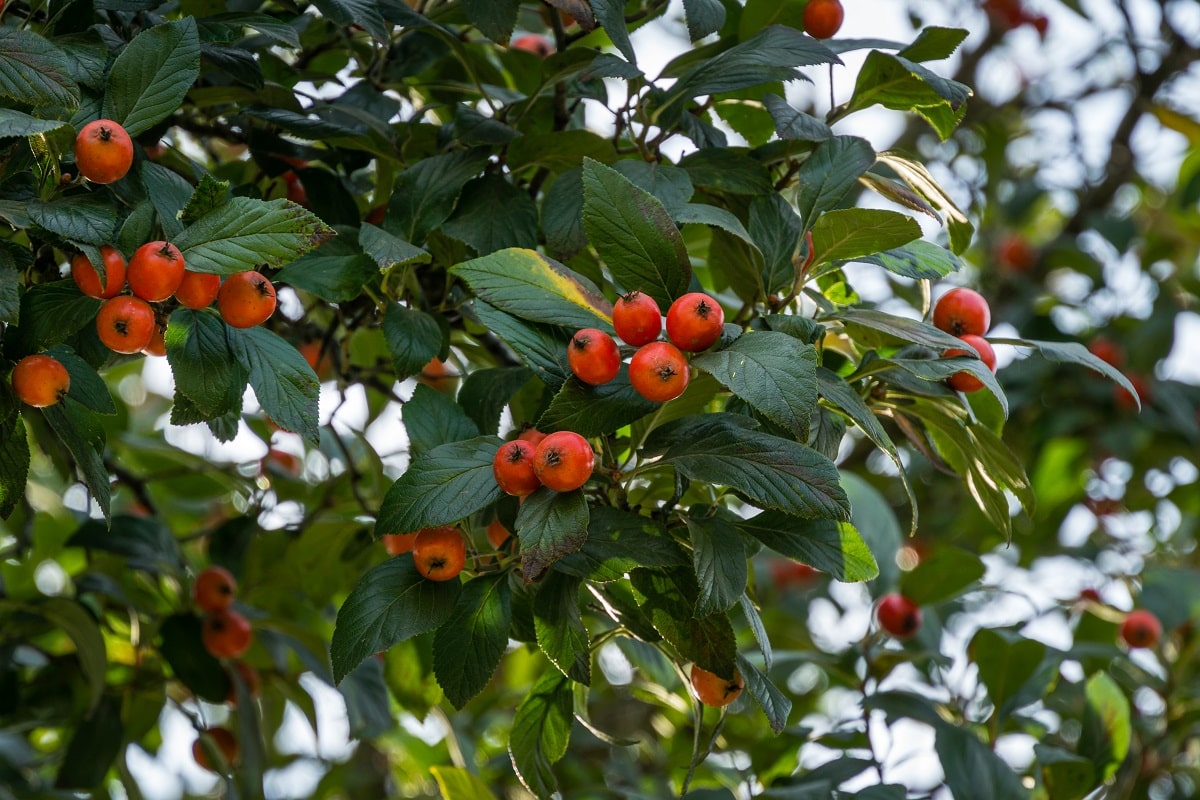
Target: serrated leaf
902,330
773,372
720,561
919,260
183,648
78,428
50,313
668,599
79,218
485,392
413,338
492,214
610,15
1005,660
367,14
208,195
793,124
445,485
540,347
425,193
848,234
33,71
541,730
169,193
774,703
617,542
468,645
15,123
203,365
387,250
87,387
829,173
704,214
230,27
330,273
549,526
529,285
900,84
634,234
392,602
283,382
934,43
561,634
432,419
596,410
494,18
245,233
776,230
152,75
703,17
835,548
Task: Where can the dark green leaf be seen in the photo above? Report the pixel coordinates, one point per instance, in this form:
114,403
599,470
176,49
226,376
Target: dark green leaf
494,18
596,410
331,275
183,648
934,44
703,17
774,703
903,85
670,184
468,645
946,573
75,620
617,542
485,392
33,71
492,214
392,602
1107,730
152,75
562,215
702,214
366,696
87,387
230,27
560,630
283,382
425,193
432,419
917,176
541,348
14,463
974,770
541,730
668,598
776,230
15,123
245,233
829,173
549,526
81,432
849,234
94,746
836,548
793,124
897,330
1067,353
443,486
144,542
79,219
171,196
1066,775
720,561
1006,660
610,14
387,250
919,260
367,14
413,338
201,360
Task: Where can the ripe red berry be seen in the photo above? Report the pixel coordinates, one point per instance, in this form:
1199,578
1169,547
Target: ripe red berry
898,616
716,691
88,280
531,434
514,469
658,371
637,318
214,589
103,151
593,356
198,289
964,381
155,271
1141,629
397,543
823,18
961,311
246,299
1107,351
694,322
226,634
125,324
440,553
40,380
532,43
564,461
225,742
1014,253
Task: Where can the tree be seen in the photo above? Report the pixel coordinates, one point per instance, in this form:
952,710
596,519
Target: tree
440,215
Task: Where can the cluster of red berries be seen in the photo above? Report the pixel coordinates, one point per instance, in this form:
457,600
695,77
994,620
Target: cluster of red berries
658,369
225,632
439,553
965,314
562,461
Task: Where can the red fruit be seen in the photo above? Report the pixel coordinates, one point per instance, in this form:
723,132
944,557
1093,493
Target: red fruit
246,299
375,215
249,676
531,434
898,616
658,371
155,271
694,322
295,189
214,589
40,380
1014,253
88,280
439,375
125,324
158,341
1124,400
1107,351
514,469
198,289
397,543
964,381
593,356
823,18
787,574
226,634
564,461
1090,594
961,311
637,318
1141,629
713,690
439,553
225,742
532,43
498,534
103,151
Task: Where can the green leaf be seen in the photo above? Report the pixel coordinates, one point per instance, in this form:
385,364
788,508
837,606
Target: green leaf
364,13
425,193
413,338
550,525
919,179
529,285
771,371
494,18
468,645
388,250
144,542
335,272
849,234
367,703
903,85
1006,660
703,17
946,573
776,230
1066,775
562,214
560,630
1107,730
172,196
973,769
919,260
829,173
245,233
610,14
617,542
283,382
668,598
493,213
87,387
934,43
94,746
720,561
774,703
723,170
541,729
542,348
15,123
793,124
703,214
35,72
183,648
1064,353
772,472
81,432
75,620
202,361
860,322
443,486
835,548
10,291
596,410
432,419
230,27
670,184
152,75
392,602
485,392
14,463
456,783
634,234
78,218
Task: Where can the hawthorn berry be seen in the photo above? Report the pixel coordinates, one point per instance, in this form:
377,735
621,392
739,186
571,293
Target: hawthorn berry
823,18
224,741
246,299
249,678
498,533
155,271
1014,253
158,341
961,311
513,466
533,43
1141,629
964,381
637,318
40,380
695,322
658,371
103,151
125,324
197,289
593,356
214,589
439,553
898,616
1107,351
787,574
712,690
531,434
564,461
226,634
397,543
88,280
